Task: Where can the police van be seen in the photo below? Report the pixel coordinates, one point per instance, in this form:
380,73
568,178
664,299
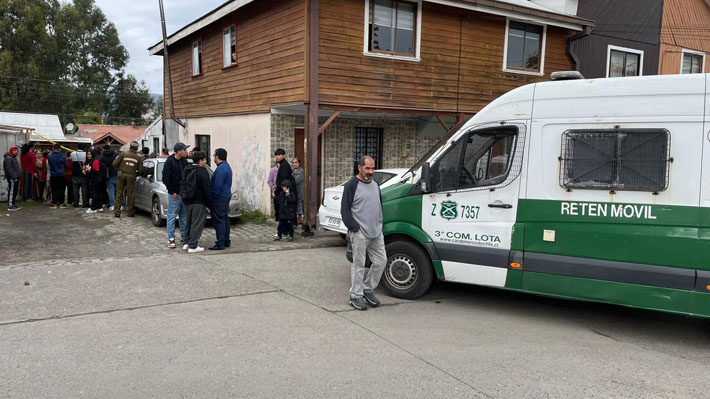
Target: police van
596,190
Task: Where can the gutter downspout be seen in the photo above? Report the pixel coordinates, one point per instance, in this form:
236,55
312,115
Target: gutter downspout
575,58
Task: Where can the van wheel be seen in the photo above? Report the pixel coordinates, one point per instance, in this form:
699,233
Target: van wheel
408,273
155,215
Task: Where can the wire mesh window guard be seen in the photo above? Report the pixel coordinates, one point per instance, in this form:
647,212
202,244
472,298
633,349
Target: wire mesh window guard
618,159
486,157
368,141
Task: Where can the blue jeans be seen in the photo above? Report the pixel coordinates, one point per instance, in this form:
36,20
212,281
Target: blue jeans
175,208
111,184
220,221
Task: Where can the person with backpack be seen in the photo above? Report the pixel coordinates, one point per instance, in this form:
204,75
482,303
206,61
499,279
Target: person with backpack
196,193
57,179
107,159
173,172
128,164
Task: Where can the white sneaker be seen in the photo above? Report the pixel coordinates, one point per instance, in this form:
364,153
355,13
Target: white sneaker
185,247
111,208
91,210
101,209
276,235
194,250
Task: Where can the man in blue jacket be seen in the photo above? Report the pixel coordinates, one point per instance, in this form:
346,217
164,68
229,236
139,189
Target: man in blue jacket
173,172
57,163
221,193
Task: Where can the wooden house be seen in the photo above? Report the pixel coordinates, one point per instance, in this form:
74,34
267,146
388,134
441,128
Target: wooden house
643,37
338,79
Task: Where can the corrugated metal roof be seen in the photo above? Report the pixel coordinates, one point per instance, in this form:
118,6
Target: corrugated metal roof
45,125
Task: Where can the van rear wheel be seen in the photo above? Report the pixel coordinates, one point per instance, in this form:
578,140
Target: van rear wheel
408,273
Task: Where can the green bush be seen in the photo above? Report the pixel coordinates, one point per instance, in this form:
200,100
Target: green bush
255,216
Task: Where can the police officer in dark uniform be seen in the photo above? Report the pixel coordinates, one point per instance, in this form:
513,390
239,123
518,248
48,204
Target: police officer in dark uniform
127,164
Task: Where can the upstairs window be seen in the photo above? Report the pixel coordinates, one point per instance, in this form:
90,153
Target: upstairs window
624,62
393,27
229,46
618,159
692,62
524,47
196,58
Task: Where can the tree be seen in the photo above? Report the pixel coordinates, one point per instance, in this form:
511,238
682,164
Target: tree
65,58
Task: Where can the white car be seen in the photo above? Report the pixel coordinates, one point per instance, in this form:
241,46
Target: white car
329,213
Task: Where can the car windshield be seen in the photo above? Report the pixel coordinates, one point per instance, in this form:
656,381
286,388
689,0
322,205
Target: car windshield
382,177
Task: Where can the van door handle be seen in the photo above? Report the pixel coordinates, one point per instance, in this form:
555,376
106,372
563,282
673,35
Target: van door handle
504,206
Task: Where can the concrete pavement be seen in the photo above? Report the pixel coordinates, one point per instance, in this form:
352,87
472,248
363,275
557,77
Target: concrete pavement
277,324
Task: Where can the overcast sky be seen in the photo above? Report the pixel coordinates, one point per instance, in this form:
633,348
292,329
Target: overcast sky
138,24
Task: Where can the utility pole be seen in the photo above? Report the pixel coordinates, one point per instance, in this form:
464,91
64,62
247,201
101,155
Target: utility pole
166,67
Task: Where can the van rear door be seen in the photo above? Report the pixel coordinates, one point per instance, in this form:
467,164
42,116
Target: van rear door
472,209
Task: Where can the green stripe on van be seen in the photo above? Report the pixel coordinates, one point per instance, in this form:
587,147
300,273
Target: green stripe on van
652,234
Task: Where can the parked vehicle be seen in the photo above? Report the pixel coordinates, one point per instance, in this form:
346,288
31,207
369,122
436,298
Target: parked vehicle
593,190
329,216
151,195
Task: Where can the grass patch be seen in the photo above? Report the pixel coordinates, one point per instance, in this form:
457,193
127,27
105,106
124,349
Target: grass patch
256,216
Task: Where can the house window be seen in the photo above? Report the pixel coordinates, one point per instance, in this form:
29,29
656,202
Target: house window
196,58
229,46
368,141
203,141
619,159
692,62
524,47
392,28
624,62
156,145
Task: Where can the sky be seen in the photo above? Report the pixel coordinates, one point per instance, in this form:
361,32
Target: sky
138,24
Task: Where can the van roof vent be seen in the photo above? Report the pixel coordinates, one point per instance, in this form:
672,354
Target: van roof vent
566,75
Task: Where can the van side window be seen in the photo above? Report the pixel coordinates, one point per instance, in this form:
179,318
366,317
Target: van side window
618,159
482,157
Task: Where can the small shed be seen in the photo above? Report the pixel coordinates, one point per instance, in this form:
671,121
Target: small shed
45,129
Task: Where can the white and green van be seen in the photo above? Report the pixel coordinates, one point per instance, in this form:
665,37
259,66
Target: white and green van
588,189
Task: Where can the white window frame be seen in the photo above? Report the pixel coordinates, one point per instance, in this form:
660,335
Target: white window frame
542,48
196,61
232,63
626,50
417,50
685,51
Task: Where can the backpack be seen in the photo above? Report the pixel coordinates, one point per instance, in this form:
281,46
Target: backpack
188,185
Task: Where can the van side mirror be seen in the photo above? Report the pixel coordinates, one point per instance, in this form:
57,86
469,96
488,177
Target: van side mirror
425,180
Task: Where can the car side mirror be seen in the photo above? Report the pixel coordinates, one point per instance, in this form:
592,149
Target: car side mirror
425,180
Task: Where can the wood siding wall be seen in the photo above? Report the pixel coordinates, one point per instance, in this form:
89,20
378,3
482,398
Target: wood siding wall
271,44
441,81
686,25
634,24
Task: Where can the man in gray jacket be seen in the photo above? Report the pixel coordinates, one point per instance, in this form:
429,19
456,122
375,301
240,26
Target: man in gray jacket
361,209
11,168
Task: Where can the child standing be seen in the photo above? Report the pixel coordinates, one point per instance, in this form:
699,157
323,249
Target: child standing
288,202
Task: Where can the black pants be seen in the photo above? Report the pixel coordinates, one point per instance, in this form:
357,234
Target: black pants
70,192
57,185
13,186
81,182
97,198
277,206
285,227
220,221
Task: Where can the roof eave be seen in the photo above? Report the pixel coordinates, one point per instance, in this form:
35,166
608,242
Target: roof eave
213,16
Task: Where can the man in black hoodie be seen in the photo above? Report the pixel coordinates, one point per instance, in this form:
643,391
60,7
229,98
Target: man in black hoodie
11,167
107,159
196,193
173,172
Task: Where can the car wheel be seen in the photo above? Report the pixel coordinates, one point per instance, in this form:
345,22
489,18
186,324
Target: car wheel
408,273
155,215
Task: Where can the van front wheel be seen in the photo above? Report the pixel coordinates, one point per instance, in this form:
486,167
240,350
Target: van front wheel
408,273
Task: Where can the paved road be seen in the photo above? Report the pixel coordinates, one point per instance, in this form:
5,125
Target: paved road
276,324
